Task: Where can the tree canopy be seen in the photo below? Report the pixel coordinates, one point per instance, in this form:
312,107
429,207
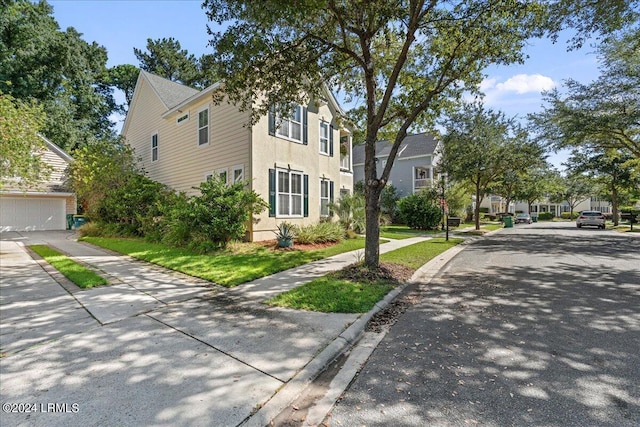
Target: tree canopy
20,123
407,60
482,147
603,114
60,70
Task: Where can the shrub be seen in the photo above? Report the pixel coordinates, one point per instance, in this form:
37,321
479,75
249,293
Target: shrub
420,211
567,215
221,212
324,232
350,209
545,216
389,203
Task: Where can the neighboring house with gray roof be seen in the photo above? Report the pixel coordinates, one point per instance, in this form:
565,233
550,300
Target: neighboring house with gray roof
414,165
297,164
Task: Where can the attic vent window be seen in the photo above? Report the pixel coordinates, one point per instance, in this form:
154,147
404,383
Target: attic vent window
182,118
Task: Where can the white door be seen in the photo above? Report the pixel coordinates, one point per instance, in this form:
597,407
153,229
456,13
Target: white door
30,214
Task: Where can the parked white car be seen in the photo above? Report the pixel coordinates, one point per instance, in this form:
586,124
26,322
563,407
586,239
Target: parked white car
591,218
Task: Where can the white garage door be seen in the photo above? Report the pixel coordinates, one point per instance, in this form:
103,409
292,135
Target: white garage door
30,214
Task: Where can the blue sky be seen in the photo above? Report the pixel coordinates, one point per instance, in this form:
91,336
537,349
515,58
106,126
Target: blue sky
120,26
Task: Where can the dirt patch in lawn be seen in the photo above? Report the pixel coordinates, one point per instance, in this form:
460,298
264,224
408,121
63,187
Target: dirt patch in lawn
273,245
394,273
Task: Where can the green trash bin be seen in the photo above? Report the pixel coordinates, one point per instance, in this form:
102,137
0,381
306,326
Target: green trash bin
508,221
69,221
534,218
79,220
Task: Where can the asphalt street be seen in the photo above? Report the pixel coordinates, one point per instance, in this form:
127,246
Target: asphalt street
538,325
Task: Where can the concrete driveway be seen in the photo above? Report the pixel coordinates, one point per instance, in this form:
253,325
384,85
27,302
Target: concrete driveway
155,348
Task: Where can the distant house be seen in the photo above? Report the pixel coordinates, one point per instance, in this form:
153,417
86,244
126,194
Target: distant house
298,164
44,205
495,204
414,165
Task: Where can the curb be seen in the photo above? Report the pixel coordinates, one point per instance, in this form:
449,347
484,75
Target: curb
346,340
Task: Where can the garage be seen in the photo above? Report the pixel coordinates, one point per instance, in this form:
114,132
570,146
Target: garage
32,213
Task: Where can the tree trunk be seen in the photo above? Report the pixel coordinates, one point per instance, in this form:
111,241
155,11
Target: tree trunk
372,227
476,214
614,205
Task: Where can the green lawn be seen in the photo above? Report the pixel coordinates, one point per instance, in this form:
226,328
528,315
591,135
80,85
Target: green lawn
238,264
400,232
330,294
78,274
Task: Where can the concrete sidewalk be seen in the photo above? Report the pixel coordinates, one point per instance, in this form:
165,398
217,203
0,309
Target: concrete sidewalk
160,348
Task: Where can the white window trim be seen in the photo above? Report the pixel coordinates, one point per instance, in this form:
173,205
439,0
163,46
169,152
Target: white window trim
180,123
233,173
157,149
327,198
278,121
208,127
290,172
323,123
221,171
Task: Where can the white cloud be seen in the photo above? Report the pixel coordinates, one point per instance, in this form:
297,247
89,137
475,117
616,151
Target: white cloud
523,83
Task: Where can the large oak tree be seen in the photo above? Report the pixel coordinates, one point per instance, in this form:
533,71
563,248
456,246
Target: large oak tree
406,60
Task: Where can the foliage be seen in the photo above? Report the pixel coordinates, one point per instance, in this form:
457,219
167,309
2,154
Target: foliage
323,232
64,73
568,215
221,213
350,209
77,273
99,169
407,61
166,58
285,234
481,146
238,263
20,123
601,115
420,211
572,189
545,216
124,77
533,186
389,202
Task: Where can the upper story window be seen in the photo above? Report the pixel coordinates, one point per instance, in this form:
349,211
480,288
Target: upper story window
324,137
154,147
292,127
203,127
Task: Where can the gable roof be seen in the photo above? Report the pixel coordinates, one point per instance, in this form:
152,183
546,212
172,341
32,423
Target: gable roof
169,92
417,145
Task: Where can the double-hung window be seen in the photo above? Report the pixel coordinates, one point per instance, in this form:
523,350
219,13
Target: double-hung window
324,137
238,173
324,197
154,147
203,127
289,193
291,127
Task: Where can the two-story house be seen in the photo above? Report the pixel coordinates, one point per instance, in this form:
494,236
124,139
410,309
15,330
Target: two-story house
298,164
414,165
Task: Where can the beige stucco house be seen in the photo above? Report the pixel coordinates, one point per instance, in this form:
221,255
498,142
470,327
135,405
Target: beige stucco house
298,164
43,205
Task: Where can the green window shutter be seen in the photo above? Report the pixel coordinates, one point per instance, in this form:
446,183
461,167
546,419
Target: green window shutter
331,140
330,197
272,120
272,192
305,194
305,133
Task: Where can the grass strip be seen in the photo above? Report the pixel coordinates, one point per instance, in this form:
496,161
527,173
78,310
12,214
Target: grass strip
77,273
332,294
400,232
240,263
